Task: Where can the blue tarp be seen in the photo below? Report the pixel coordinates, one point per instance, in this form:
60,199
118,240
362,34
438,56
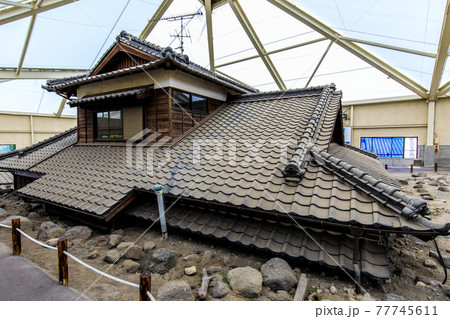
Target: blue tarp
384,146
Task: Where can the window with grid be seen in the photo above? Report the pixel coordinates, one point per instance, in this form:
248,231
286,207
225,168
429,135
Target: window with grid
109,125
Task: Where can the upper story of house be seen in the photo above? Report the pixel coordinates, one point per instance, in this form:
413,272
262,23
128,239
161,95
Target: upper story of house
139,86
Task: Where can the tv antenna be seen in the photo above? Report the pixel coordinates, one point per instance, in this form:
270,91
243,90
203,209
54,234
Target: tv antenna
182,34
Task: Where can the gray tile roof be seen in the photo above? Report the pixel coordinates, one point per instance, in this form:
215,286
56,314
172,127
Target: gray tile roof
6,178
165,54
110,96
95,179
25,158
273,237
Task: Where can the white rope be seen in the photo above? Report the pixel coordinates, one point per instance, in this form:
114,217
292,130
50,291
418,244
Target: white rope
6,226
150,296
101,272
36,241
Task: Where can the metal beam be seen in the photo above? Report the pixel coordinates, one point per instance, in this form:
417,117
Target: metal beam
243,20
16,13
16,4
154,20
61,107
31,73
319,63
444,89
442,53
272,52
390,47
209,29
353,48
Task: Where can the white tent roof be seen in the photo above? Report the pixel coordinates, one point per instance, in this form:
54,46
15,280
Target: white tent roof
376,48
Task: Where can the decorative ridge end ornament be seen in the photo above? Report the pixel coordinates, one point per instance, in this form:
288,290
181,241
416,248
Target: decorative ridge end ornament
295,169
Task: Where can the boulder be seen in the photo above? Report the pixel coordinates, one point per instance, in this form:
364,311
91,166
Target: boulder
207,256
246,281
78,232
93,254
26,224
408,273
114,240
112,256
430,263
214,270
124,246
280,295
130,266
393,297
333,290
190,271
148,245
3,213
445,257
175,290
52,242
446,289
278,275
443,189
220,290
159,261
134,252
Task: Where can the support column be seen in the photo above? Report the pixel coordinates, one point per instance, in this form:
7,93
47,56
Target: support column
428,154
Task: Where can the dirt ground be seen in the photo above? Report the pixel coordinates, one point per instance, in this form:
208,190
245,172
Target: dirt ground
419,282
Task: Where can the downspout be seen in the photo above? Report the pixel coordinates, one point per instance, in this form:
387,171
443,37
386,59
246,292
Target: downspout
159,190
32,129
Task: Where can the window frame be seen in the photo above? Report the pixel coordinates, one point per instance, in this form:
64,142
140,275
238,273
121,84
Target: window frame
177,107
391,149
95,126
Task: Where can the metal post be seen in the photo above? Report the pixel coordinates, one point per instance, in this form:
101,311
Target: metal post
16,239
159,190
145,284
63,267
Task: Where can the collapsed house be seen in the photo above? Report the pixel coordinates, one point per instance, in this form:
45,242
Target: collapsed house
263,170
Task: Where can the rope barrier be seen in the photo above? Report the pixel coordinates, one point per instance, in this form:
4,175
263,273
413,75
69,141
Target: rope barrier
101,272
150,296
36,241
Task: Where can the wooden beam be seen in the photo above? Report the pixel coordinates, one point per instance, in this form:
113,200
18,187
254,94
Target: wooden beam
246,25
442,53
154,20
444,89
353,48
302,285
125,202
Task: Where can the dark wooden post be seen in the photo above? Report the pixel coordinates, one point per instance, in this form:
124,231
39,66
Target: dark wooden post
435,167
145,284
412,170
63,267
385,166
16,238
